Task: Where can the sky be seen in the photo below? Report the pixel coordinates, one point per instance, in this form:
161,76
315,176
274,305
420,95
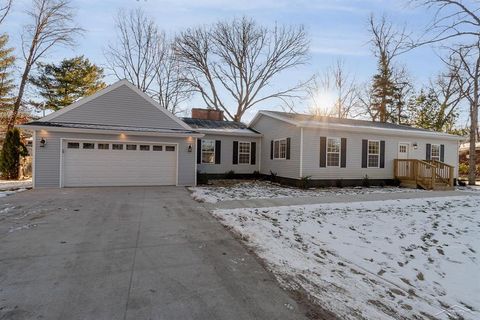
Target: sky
337,28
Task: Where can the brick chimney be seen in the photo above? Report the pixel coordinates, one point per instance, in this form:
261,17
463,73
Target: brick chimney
207,114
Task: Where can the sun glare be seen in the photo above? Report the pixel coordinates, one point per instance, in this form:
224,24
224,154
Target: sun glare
322,103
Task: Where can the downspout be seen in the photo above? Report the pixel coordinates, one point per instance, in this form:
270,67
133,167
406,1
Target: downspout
301,152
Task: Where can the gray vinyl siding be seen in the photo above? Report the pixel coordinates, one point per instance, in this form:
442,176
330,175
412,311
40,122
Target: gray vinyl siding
272,129
354,170
226,158
47,159
121,106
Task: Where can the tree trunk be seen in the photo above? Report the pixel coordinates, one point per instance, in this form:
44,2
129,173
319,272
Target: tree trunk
21,90
472,161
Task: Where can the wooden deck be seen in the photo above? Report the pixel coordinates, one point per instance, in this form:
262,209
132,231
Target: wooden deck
429,175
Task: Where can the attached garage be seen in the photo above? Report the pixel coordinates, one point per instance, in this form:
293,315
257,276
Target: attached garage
116,137
116,163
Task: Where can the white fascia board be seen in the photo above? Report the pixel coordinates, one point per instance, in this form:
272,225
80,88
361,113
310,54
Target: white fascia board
377,130
230,133
107,131
271,115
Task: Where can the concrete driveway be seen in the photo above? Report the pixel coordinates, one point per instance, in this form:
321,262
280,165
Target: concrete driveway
127,253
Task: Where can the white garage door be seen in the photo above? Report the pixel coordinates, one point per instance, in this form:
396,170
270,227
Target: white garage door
102,163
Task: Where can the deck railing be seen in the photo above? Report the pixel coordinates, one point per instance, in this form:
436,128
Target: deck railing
427,174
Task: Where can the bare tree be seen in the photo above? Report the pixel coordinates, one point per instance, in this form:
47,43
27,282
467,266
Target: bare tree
51,25
339,83
5,6
143,55
238,61
456,26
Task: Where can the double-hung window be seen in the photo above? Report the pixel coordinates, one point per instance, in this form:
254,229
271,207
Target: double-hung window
244,152
280,149
333,152
435,152
208,151
373,154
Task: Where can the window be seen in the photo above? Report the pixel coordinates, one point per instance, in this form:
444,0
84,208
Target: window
73,145
244,152
333,152
157,148
144,147
403,148
88,145
435,152
169,148
131,147
208,151
103,146
280,149
373,154
117,146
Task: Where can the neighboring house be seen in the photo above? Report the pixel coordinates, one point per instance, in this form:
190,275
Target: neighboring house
121,137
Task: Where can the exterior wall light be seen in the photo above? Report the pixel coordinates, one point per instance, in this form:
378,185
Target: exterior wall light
43,142
415,145
190,148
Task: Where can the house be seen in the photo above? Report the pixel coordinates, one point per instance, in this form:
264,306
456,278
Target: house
121,137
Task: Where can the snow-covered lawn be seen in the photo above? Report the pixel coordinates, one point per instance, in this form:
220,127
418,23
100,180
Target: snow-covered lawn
400,259
264,190
8,187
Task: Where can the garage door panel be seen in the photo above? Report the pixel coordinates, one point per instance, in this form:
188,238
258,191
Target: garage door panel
99,167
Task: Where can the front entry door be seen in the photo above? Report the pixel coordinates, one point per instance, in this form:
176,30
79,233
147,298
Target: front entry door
403,150
403,166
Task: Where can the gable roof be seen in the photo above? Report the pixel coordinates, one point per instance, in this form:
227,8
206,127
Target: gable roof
306,120
220,127
118,104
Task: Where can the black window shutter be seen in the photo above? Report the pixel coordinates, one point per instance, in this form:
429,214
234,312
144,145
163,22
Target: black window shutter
429,151
442,153
218,151
382,154
235,152
271,149
323,152
199,150
364,153
253,152
343,153
288,148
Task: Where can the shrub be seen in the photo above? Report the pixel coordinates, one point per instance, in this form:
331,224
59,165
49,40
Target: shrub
230,174
463,168
257,175
202,178
305,182
339,183
273,176
13,149
366,182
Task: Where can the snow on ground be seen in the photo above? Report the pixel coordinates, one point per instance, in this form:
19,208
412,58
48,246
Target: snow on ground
264,190
8,187
400,259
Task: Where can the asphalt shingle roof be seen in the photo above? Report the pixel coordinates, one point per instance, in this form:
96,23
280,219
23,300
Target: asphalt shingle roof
214,124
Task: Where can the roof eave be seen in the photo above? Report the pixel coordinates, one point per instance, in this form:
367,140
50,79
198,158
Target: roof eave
112,131
247,133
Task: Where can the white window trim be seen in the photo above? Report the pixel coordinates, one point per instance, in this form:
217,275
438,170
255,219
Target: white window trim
339,153
214,151
439,151
279,141
373,154
249,153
